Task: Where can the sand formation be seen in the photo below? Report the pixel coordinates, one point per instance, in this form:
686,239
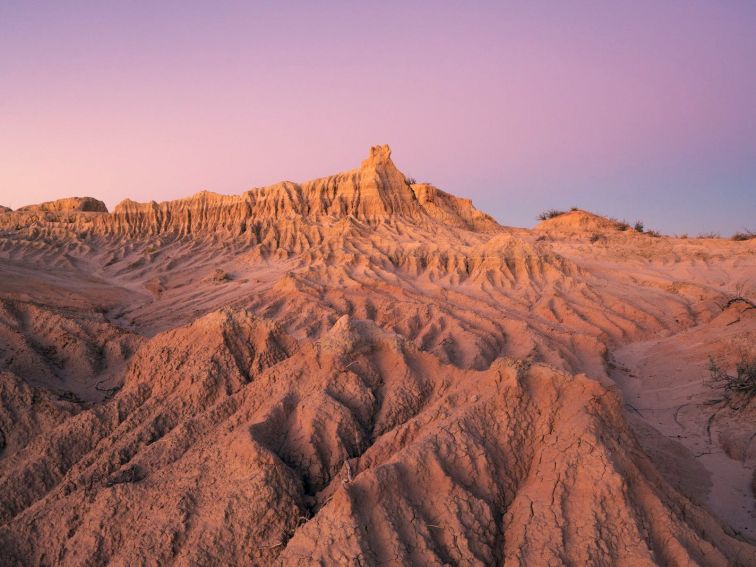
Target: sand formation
359,370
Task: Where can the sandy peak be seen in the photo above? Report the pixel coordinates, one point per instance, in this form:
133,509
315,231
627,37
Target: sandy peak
379,155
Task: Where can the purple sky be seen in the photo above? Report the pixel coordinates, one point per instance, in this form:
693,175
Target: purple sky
638,109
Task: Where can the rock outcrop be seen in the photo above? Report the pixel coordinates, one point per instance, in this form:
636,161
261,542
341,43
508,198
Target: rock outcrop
375,192
68,205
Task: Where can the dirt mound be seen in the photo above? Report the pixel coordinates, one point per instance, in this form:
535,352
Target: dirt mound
580,221
68,351
452,210
363,370
68,205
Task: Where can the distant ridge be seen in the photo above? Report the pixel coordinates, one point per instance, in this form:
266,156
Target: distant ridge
67,205
375,192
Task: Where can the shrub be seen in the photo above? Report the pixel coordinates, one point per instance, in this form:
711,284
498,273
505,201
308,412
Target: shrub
739,388
638,226
709,235
595,237
654,233
219,276
550,214
573,209
622,226
739,297
745,235
410,180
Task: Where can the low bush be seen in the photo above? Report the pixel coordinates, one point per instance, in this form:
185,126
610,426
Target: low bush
745,235
739,388
550,214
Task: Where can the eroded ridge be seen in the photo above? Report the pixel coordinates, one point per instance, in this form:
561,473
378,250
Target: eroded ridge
363,370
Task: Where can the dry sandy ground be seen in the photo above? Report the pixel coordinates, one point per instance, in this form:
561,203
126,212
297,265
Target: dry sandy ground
360,371
665,382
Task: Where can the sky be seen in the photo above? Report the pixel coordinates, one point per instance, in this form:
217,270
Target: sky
634,109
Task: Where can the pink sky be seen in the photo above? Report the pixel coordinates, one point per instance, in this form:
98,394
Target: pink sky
634,109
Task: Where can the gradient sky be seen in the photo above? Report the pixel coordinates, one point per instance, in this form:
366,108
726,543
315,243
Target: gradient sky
637,109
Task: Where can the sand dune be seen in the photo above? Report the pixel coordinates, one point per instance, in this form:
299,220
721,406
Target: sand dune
361,370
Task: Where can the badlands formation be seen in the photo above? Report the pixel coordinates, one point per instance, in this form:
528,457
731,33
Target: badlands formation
358,370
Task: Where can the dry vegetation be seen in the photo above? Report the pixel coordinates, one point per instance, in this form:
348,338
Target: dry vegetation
738,388
741,236
550,214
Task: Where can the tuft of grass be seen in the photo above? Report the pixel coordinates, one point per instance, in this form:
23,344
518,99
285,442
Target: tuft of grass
654,233
638,226
744,235
622,226
410,180
595,237
550,214
709,235
739,388
573,209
